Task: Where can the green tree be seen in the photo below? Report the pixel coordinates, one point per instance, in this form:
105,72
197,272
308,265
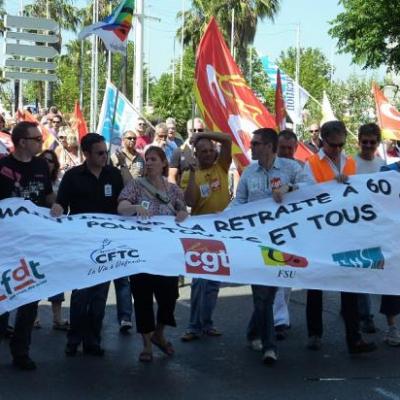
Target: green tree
314,69
369,30
247,15
2,14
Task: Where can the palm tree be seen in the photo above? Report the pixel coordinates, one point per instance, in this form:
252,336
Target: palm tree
247,15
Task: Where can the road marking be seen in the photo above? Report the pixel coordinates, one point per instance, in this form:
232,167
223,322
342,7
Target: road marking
385,393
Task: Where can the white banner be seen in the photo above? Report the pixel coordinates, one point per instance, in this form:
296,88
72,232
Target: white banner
125,117
330,236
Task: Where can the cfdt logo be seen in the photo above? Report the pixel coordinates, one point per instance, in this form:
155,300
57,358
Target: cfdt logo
206,257
363,258
18,279
277,258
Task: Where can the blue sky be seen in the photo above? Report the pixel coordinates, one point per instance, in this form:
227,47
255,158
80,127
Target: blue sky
271,38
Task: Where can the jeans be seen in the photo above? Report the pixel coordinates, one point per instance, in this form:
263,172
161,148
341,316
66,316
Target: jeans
124,299
21,339
281,306
86,315
364,306
261,325
203,299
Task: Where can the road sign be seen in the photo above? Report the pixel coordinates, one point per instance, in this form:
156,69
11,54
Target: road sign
27,39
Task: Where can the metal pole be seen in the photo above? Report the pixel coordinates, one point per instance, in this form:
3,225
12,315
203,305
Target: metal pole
297,79
21,82
233,33
182,28
46,83
251,66
96,72
148,69
138,76
92,77
109,57
81,75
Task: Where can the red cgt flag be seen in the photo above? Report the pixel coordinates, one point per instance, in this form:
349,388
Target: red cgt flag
280,112
388,116
80,123
226,101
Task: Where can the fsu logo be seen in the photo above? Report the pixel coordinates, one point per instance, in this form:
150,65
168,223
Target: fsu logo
206,257
277,258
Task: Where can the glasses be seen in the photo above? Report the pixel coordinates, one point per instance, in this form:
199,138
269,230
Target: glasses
314,130
255,144
369,142
37,139
62,137
100,153
335,145
131,138
199,130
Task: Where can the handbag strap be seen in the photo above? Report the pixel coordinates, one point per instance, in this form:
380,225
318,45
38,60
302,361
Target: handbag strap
154,192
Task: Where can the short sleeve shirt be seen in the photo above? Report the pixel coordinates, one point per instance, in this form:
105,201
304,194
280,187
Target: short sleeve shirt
28,180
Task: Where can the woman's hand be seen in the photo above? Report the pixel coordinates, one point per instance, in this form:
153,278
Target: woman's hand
141,212
342,178
181,216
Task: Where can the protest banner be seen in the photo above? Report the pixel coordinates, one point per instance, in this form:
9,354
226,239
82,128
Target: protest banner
330,236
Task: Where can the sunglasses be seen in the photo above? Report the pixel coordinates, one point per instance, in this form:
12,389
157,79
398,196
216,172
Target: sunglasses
335,145
100,153
131,138
200,130
369,142
37,139
314,131
255,144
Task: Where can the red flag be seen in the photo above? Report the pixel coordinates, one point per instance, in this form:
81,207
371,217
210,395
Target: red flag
303,153
280,112
80,123
224,98
388,116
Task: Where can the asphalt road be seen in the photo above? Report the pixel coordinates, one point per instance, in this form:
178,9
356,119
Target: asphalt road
210,368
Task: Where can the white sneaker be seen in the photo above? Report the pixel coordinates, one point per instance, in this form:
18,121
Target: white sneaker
392,337
270,357
255,344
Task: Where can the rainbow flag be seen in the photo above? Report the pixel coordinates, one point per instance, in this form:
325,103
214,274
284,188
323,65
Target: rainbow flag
226,101
114,29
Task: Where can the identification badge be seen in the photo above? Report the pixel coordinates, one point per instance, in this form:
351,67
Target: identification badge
145,204
107,190
205,190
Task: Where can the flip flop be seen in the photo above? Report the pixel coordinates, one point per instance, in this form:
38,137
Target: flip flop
145,357
165,347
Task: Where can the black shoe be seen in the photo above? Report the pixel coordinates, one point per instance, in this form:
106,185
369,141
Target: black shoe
94,351
362,347
281,332
24,363
71,349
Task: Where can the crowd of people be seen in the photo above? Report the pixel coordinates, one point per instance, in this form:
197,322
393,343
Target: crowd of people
169,175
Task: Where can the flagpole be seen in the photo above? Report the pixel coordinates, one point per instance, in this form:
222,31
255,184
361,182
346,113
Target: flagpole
233,33
297,79
182,28
138,75
109,58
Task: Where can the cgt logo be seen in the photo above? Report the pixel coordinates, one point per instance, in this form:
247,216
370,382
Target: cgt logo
19,278
206,257
364,258
277,258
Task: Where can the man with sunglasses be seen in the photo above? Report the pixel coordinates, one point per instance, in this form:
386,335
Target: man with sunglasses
182,157
128,160
314,144
142,140
24,175
92,187
331,163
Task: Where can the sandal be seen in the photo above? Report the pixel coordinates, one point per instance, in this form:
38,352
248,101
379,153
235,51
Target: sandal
166,347
145,357
61,326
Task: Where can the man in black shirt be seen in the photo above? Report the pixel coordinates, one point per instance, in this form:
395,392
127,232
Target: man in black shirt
92,187
24,175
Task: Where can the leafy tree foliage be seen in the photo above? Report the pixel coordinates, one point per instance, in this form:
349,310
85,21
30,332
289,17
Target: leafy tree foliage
370,31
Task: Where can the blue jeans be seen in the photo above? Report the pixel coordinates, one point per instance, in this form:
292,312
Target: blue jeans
261,325
364,306
124,299
86,315
203,298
